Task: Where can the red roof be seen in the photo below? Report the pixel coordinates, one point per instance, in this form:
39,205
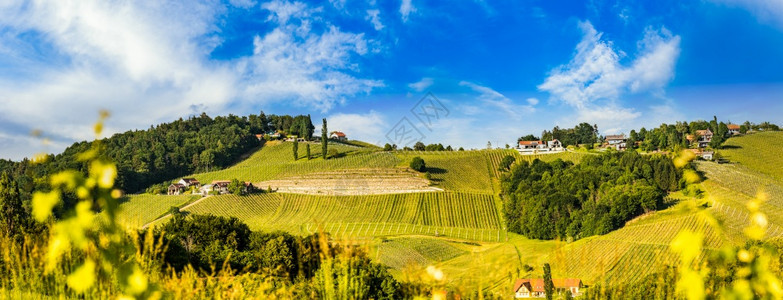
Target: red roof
339,133
704,132
733,127
529,143
537,285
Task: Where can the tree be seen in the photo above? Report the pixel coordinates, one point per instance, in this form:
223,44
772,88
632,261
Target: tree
419,146
236,187
387,147
296,149
324,140
13,216
528,137
549,286
308,151
417,163
506,162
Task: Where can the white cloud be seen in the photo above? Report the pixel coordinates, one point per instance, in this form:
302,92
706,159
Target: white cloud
364,127
594,80
769,11
497,100
243,3
532,101
373,15
422,84
406,8
152,59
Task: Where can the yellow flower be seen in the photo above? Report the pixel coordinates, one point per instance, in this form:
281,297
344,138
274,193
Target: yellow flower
83,278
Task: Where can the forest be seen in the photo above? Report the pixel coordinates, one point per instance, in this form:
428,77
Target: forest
563,200
166,151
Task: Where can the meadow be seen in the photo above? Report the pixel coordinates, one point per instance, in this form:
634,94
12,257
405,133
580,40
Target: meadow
759,151
137,210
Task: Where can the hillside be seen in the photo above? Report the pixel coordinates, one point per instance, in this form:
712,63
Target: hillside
758,151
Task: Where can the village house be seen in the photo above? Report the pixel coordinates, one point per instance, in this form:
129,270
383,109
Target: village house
534,288
616,141
555,144
705,137
259,136
734,129
531,145
190,182
221,186
707,155
176,189
338,135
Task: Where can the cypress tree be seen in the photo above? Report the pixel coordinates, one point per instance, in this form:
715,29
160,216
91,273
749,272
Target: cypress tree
296,149
549,286
308,151
324,142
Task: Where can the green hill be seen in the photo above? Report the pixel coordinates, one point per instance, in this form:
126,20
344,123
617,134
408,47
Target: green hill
761,152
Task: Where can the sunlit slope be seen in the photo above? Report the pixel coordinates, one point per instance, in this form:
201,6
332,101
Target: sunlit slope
451,214
762,152
137,210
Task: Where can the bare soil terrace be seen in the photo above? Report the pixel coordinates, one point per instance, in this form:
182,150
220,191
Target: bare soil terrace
353,182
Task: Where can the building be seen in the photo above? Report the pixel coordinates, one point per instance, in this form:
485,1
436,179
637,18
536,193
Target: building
534,288
555,144
259,136
176,189
221,186
190,182
734,129
705,137
338,135
616,141
706,155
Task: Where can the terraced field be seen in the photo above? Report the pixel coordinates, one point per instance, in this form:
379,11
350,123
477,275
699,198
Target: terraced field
450,214
137,210
416,252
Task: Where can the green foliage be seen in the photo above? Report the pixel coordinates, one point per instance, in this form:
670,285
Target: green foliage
14,218
507,161
584,133
419,146
237,187
560,199
324,140
549,286
308,151
388,147
295,149
418,164
528,137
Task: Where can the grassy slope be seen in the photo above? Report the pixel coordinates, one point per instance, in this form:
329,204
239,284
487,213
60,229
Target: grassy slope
760,152
137,210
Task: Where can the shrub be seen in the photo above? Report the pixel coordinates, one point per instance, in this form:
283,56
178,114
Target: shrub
417,163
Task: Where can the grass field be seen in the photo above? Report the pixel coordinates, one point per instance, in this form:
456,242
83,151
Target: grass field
412,252
137,210
760,152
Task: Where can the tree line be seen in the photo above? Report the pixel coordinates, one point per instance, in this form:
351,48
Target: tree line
166,151
561,199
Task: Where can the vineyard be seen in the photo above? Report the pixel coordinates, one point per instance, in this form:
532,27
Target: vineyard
759,151
275,160
450,214
137,210
411,252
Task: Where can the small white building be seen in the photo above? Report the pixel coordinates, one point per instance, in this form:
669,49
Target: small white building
338,135
734,129
616,141
705,137
534,288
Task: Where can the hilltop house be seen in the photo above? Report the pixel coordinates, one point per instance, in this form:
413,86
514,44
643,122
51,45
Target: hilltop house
705,137
555,144
734,129
616,141
534,288
176,189
337,135
539,146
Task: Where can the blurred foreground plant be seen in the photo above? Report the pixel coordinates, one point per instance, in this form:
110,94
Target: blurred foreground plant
109,256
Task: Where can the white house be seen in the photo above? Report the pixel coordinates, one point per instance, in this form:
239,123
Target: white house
176,189
534,288
734,129
554,144
188,182
338,135
707,155
616,141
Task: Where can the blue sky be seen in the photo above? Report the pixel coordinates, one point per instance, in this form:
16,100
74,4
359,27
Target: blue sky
501,69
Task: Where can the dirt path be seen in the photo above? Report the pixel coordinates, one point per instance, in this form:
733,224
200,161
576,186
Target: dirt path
181,209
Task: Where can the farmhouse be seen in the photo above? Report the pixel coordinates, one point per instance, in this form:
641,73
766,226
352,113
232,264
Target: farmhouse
707,155
539,146
534,288
188,182
221,186
705,137
616,141
337,135
523,145
176,189
554,144
734,129
259,136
